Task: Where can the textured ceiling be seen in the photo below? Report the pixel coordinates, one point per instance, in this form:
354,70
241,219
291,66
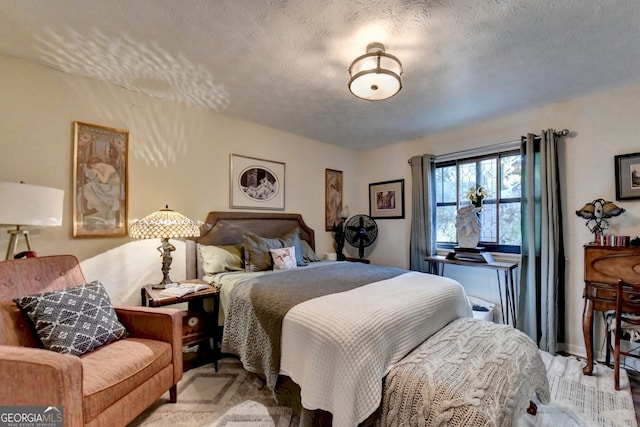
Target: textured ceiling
283,63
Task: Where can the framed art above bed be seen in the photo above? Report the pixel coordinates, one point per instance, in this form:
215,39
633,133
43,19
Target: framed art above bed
386,199
256,183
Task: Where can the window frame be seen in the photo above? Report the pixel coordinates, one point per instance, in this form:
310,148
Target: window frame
477,159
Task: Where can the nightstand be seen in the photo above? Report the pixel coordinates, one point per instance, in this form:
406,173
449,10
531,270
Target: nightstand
198,325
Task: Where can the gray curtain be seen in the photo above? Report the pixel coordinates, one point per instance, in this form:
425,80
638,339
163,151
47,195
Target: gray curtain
541,302
423,210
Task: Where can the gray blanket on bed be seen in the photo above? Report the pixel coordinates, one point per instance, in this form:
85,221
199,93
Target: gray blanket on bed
253,323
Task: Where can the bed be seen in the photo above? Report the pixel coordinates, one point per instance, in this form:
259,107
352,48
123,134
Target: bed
330,329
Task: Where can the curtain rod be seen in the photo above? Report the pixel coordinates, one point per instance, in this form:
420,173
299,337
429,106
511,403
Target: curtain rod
495,147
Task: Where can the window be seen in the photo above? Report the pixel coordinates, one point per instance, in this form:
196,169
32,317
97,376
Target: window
499,174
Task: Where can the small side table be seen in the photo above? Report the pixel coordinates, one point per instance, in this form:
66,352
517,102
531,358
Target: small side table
438,262
198,325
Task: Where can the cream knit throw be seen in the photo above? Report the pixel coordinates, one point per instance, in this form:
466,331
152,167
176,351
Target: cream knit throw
471,373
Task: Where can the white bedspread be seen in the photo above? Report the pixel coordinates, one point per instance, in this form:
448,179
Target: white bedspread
352,338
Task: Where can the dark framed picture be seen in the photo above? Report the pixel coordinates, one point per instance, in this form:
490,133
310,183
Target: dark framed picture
627,176
256,183
332,198
100,181
386,199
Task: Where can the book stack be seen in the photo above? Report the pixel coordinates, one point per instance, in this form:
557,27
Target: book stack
183,289
613,241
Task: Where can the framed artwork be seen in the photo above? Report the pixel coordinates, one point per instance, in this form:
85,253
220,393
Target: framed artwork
386,199
332,198
627,176
100,181
256,183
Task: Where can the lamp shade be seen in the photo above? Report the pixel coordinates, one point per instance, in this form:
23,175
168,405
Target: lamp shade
24,204
376,74
165,223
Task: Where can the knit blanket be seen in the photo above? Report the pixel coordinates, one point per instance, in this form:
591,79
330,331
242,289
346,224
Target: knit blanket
339,347
253,323
471,373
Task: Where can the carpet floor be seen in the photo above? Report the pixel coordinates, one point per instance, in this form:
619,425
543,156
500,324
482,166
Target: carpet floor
233,397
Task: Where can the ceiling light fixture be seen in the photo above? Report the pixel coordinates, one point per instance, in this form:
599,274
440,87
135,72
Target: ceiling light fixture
376,74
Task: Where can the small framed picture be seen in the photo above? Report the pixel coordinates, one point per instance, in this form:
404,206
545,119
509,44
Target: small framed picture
386,199
627,176
100,181
332,198
256,183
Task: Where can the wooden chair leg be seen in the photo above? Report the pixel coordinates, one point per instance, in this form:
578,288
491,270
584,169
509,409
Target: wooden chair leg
173,394
607,357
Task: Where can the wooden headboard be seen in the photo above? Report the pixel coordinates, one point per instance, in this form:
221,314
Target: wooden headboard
227,228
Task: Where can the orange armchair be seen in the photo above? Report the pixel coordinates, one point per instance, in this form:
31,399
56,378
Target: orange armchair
109,386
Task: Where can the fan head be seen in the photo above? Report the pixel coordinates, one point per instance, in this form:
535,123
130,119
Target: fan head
361,231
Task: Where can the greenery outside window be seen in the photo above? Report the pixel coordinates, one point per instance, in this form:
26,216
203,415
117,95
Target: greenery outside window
499,174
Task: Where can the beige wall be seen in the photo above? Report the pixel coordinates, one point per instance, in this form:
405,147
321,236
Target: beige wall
180,156
603,125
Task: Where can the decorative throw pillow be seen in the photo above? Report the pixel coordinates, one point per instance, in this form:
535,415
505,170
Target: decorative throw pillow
292,238
284,258
73,321
217,259
256,251
308,254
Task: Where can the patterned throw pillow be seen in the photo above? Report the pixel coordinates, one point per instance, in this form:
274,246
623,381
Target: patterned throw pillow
284,258
73,321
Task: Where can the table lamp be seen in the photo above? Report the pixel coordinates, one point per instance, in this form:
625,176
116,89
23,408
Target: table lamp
164,224
23,204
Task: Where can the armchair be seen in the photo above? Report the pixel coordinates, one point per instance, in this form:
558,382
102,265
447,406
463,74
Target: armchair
108,386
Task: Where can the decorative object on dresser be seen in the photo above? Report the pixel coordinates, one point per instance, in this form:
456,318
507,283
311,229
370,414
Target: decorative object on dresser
100,181
596,213
376,74
627,176
386,199
256,183
361,231
24,204
165,224
604,267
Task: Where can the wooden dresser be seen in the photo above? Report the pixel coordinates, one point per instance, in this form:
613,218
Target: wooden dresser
599,287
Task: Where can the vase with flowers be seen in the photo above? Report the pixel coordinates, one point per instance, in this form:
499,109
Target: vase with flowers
476,195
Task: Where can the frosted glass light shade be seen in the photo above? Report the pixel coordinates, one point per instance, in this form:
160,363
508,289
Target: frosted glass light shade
375,75
25,204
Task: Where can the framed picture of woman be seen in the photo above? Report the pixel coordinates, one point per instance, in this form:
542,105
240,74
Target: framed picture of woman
100,179
333,198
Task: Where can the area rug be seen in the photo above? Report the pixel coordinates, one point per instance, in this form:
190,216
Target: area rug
233,397
580,400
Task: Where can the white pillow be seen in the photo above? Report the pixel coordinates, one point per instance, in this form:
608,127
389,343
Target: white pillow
284,258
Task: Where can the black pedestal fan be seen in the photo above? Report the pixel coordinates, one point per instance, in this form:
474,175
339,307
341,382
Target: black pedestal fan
360,231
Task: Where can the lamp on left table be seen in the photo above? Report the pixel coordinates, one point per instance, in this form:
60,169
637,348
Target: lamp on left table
164,224
23,204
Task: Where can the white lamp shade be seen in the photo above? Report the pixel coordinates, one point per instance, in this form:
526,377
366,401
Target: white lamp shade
24,204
